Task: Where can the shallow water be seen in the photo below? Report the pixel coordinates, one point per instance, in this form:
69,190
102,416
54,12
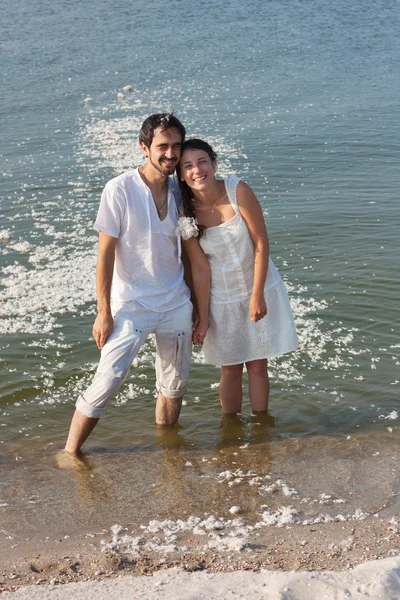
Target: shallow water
171,479
301,100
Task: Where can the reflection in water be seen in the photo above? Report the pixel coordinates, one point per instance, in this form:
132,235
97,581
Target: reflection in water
169,436
235,430
171,478
173,484
232,429
244,448
262,425
92,489
75,462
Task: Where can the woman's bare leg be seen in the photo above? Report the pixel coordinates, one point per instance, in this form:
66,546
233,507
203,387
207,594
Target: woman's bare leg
258,384
230,389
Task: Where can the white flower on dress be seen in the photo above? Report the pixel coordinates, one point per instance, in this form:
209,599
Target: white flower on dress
187,228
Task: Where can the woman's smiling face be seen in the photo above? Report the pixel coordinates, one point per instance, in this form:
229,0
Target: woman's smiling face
197,169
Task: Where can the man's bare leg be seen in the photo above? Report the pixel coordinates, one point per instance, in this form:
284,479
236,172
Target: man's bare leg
81,427
167,410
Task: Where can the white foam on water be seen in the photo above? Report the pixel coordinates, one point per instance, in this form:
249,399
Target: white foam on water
279,485
113,143
262,482
62,271
4,235
66,279
32,298
226,535
285,515
234,541
358,515
23,247
302,510
391,416
217,533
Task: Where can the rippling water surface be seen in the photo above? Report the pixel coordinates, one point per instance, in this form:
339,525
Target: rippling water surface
299,99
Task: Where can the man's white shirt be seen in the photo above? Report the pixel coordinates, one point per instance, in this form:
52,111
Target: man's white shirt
148,267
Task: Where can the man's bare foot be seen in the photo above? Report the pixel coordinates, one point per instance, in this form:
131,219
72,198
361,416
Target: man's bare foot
76,461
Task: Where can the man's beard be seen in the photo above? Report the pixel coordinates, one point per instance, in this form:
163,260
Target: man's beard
163,172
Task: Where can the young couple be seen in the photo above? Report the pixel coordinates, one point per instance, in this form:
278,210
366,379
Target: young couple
242,312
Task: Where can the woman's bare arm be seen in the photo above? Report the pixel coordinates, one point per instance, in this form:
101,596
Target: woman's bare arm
251,212
200,278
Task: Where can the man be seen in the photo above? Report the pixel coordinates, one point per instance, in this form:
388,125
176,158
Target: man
139,281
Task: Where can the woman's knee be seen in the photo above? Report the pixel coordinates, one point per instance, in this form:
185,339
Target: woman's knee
232,371
257,367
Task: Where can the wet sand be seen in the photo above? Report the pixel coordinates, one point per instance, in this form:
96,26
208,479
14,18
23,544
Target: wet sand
323,547
301,504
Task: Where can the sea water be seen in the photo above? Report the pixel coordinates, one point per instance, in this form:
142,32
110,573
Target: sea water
300,99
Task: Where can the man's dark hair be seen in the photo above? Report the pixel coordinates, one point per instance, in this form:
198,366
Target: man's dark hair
163,120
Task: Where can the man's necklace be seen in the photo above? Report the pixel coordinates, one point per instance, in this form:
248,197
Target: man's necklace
159,208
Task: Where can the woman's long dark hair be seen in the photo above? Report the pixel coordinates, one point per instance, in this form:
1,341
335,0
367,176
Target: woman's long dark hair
186,192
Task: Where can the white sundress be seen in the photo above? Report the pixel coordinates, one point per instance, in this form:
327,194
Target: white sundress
232,337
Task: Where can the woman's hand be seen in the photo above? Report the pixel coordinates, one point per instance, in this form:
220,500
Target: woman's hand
258,308
199,332
195,317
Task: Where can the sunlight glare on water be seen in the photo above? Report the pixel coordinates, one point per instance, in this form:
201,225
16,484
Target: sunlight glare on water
299,99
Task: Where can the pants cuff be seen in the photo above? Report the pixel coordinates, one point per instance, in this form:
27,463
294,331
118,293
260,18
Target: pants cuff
88,410
171,393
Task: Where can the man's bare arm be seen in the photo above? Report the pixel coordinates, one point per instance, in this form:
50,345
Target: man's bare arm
104,322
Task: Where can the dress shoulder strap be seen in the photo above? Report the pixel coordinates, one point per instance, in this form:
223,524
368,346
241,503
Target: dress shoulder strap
231,184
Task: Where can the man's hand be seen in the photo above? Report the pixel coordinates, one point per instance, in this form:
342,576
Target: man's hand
104,323
199,332
258,308
102,328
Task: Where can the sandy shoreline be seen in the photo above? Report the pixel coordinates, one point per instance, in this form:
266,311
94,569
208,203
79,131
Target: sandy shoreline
113,517
373,580
51,564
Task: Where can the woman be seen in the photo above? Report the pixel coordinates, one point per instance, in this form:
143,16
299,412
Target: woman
250,319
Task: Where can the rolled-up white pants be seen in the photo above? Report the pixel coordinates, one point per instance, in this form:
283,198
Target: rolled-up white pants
132,326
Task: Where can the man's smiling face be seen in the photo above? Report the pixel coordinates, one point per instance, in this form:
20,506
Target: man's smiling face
165,150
